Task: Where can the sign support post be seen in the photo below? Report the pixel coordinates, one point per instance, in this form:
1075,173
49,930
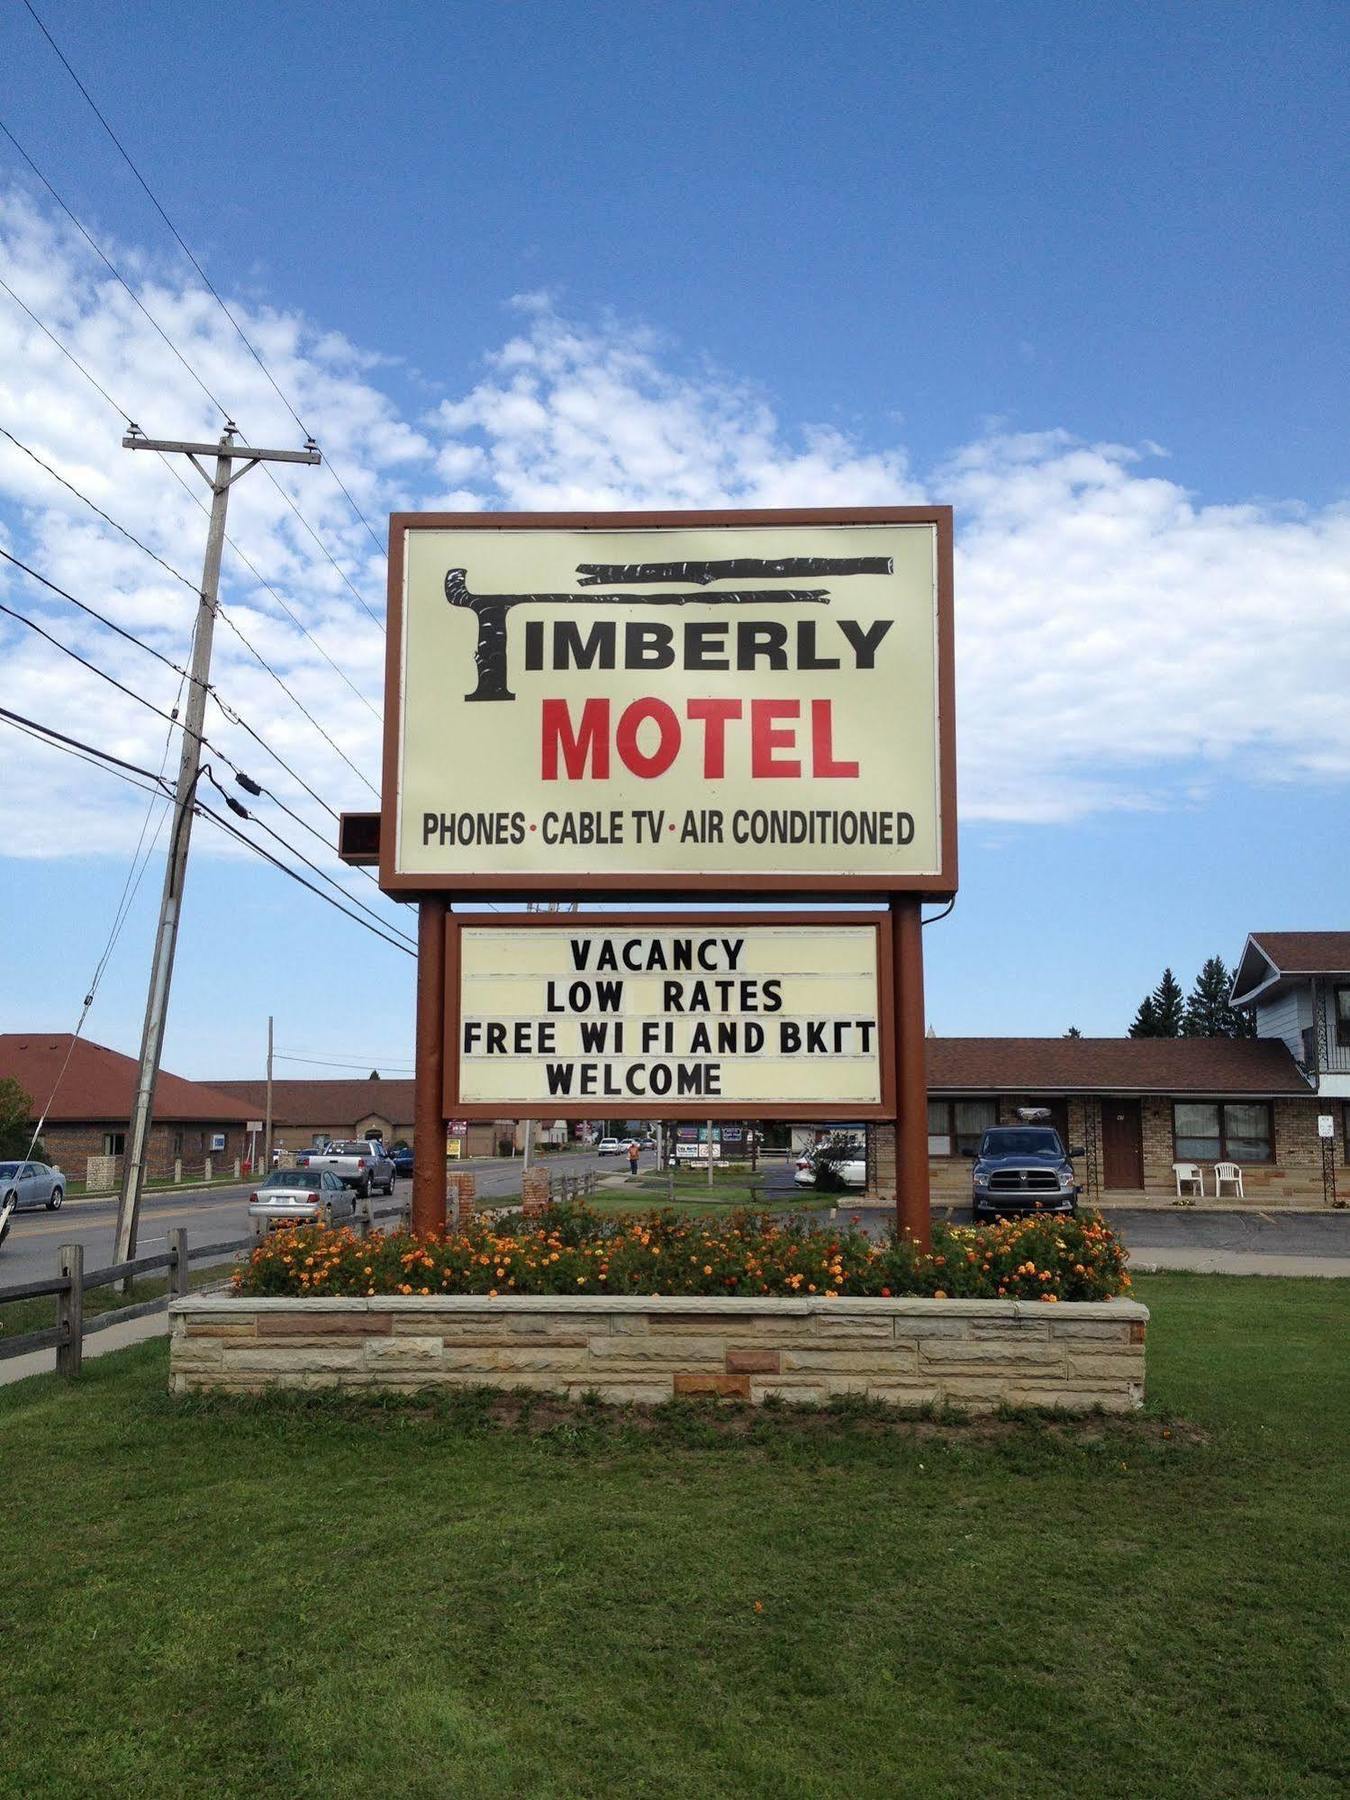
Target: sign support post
428,1192
912,1216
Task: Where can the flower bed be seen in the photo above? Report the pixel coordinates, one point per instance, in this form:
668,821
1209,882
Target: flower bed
570,1251
654,1307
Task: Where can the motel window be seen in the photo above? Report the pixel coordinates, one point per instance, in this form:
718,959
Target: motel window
1343,1018
114,1143
956,1126
1222,1131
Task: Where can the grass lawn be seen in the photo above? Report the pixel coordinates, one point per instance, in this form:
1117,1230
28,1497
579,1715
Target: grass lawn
693,1195
323,1598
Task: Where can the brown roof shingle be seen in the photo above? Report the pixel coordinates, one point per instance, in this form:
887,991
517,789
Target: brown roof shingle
1305,952
1114,1065
98,1083
326,1103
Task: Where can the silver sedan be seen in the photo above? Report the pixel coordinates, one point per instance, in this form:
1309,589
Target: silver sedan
30,1184
300,1197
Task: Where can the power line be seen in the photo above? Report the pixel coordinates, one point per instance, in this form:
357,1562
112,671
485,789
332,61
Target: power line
92,611
238,807
183,246
131,537
44,734
321,1063
85,663
278,864
116,764
213,397
121,411
112,268
229,712
108,519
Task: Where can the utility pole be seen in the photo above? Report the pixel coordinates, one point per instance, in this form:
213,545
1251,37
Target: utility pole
267,1117
226,452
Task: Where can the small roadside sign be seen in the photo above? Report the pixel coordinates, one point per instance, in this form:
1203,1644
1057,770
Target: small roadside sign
1326,1125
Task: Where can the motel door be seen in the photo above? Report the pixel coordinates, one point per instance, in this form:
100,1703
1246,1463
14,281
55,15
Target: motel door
1122,1144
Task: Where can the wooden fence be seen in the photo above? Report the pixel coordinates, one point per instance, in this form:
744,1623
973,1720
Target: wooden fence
72,1282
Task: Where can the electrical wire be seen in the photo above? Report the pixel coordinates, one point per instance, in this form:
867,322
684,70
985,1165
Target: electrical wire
221,611
206,812
318,1062
237,806
117,764
229,712
107,518
210,286
93,613
121,411
85,663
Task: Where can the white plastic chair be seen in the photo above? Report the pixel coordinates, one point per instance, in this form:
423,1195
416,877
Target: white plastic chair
1231,1173
1189,1174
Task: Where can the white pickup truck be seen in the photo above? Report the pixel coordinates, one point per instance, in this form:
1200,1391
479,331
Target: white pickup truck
358,1163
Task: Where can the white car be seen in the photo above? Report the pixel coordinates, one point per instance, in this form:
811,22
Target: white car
852,1171
300,1197
607,1147
30,1184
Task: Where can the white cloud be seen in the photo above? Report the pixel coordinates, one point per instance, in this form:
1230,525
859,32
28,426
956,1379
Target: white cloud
1119,645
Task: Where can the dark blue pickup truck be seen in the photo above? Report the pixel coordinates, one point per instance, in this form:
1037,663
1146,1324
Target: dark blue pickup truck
1022,1169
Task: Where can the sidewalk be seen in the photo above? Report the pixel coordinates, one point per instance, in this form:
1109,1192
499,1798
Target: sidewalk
96,1343
1153,1259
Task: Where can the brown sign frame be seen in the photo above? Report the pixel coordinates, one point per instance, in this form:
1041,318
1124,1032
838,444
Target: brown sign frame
941,885
606,1106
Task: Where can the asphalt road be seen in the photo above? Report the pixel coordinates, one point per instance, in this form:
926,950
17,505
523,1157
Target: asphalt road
218,1214
210,1216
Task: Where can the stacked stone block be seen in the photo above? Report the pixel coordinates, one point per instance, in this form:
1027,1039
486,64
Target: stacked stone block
973,1354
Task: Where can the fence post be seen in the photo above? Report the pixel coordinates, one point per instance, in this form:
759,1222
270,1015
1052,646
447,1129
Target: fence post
70,1309
178,1268
178,1169
207,1171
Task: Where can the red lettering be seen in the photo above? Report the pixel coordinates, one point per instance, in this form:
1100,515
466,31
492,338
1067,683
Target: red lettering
591,740
625,739
765,738
714,715
823,764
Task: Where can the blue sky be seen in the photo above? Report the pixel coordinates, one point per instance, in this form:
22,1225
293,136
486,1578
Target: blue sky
1078,269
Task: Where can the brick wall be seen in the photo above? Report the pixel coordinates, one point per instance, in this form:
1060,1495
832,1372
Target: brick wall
71,1146
1293,1177
974,1354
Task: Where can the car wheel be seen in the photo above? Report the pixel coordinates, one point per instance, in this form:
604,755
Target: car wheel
53,1205
11,1200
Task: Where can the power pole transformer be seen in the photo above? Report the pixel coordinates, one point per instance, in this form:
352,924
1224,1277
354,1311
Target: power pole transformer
226,453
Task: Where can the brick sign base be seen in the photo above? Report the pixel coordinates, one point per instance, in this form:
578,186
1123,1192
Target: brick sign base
972,1354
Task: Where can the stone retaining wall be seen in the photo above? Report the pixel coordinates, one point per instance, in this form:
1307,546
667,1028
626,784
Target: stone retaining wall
975,1354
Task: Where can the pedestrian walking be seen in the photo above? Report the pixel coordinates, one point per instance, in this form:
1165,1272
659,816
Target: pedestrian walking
632,1159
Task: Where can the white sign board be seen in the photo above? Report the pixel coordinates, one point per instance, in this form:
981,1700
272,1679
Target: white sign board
700,1019
617,702
1326,1125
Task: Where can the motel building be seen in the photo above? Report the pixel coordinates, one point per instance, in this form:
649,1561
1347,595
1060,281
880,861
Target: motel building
1137,1106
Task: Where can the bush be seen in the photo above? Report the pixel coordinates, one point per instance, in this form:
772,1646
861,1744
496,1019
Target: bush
572,1251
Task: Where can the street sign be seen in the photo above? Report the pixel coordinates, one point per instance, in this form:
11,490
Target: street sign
680,702
1326,1125
254,1125
714,1015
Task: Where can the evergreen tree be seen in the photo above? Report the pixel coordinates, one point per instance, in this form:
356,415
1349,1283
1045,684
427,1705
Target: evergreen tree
1073,1031
1208,1013
1168,1005
1146,1019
